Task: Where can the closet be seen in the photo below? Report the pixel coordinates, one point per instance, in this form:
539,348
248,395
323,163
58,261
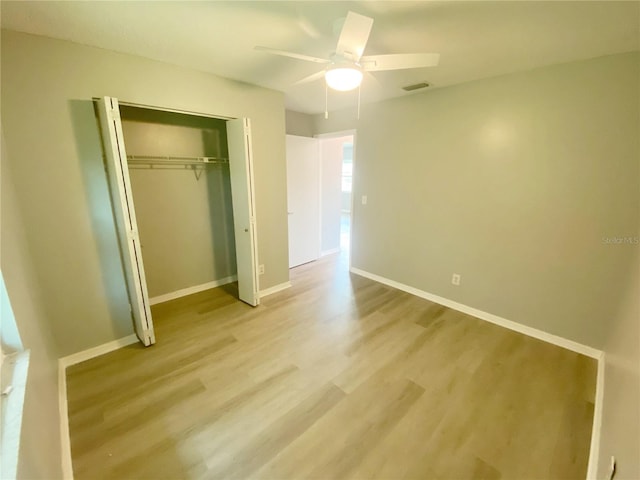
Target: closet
183,201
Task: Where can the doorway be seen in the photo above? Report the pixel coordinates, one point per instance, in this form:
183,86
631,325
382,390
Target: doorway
346,194
319,195
337,161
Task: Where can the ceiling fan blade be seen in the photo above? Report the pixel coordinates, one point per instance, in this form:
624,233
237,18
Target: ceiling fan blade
310,78
297,56
400,61
354,36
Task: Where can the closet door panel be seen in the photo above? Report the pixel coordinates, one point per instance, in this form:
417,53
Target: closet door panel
244,217
125,217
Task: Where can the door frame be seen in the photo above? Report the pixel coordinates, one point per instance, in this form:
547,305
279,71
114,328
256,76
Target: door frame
344,133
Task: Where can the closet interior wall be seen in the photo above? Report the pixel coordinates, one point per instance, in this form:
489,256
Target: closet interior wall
185,221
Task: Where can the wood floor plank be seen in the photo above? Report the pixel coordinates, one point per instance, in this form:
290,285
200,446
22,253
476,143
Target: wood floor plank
336,377
276,436
336,444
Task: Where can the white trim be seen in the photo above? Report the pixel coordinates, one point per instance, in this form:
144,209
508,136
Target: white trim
324,253
90,353
274,289
65,441
191,290
489,317
594,449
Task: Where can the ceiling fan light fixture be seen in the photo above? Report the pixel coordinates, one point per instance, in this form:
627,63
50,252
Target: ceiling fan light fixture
343,78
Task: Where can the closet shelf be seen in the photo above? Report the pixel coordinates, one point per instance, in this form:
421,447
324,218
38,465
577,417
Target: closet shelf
154,160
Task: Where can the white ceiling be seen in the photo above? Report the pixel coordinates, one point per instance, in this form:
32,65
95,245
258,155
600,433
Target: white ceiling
476,39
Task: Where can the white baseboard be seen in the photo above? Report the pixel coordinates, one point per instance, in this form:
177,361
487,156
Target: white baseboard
65,442
191,290
489,317
274,289
324,253
79,357
63,363
594,449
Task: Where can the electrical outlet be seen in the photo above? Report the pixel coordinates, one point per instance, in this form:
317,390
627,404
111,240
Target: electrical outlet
455,279
612,468
364,199
260,269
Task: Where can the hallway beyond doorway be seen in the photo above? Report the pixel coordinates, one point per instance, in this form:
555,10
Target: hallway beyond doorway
345,231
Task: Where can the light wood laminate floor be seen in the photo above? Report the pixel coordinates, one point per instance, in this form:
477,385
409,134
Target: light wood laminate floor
337,377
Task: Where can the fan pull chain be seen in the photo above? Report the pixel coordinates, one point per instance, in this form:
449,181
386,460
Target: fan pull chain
359,88
326,100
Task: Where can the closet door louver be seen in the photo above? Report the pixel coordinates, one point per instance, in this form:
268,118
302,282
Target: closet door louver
125,217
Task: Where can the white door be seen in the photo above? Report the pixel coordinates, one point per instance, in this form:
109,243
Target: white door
244,215
303,199
125,217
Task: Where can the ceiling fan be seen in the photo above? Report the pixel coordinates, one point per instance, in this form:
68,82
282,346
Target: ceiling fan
344,68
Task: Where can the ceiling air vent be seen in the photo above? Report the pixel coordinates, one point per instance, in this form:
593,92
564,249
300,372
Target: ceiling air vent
417,86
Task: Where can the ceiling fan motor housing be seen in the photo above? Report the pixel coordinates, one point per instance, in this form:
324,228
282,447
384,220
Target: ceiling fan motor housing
343,76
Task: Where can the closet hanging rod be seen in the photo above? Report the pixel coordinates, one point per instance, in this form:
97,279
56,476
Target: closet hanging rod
158,160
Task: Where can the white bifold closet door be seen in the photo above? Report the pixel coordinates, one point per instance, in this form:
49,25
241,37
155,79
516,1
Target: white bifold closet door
244,210
125,217
242,193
